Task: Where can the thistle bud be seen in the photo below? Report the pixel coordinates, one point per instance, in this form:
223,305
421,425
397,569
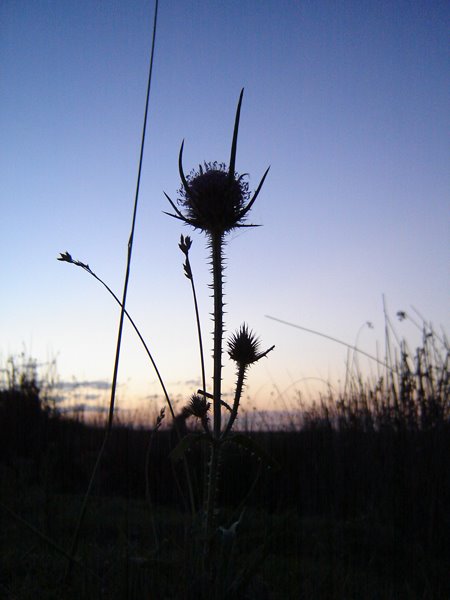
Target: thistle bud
198,407
244,347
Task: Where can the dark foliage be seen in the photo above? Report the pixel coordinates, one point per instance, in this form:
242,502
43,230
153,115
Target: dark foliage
348,464
401,476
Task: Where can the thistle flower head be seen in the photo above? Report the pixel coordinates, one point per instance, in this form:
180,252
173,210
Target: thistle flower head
212,200
244,347
215,199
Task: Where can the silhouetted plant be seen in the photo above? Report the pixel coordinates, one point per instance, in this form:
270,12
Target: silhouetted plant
26,405
214,200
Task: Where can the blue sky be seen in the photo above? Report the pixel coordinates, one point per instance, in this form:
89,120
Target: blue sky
346,101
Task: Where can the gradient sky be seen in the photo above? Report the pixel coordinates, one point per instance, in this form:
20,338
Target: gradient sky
348,103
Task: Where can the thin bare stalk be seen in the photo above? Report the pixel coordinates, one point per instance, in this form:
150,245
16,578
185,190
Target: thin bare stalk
184,245
199,333
333,339
153,432
67,258
108,428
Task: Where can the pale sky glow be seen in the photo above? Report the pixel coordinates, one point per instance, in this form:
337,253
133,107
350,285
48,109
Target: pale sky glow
346,101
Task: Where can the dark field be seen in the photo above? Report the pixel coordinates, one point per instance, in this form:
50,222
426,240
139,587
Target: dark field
358,508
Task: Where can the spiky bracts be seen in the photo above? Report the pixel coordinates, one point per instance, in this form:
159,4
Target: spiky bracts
244,349
215,199
212,200
198,407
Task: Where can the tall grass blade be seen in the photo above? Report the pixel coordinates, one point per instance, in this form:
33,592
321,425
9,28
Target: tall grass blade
74,545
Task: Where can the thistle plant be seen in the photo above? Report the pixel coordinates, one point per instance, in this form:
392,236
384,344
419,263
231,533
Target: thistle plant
216,200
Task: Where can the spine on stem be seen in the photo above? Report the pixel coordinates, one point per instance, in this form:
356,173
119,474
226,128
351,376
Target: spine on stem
217,269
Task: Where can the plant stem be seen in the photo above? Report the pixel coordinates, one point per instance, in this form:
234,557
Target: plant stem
86,268
143,342
199,332
210,501
217,269
199,329
237,399
216,241
108,428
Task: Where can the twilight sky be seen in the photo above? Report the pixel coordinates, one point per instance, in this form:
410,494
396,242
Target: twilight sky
348,103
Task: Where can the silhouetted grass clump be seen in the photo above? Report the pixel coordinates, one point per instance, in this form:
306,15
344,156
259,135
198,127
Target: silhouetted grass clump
26,413
413,396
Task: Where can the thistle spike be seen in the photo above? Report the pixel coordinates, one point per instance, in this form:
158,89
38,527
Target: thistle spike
180,168
179,215
235,136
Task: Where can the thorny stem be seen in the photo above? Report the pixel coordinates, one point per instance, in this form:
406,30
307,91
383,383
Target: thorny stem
211,491
216,240
237,398
217,269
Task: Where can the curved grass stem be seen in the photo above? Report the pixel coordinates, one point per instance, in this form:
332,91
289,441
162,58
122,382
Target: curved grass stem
67,258
199,333
184,245
86,268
